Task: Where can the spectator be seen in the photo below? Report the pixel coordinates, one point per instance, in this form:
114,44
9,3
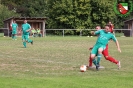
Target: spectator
39,32
33,32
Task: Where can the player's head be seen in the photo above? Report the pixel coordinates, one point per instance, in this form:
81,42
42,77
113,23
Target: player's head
107,29
14,21
25,21
110,22
98,27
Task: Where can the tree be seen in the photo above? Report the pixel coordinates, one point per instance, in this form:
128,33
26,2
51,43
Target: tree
36,8
102,12
5,13
69,14
27,8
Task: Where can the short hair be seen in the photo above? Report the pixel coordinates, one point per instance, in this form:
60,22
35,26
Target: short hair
98,26
107,25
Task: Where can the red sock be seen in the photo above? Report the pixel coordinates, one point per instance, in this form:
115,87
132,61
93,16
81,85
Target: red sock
90,61
111,59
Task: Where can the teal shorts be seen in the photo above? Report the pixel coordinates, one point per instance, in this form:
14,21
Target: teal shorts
96,47
25,37
14,32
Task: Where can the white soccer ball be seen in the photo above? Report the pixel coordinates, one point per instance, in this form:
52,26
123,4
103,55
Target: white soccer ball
83,68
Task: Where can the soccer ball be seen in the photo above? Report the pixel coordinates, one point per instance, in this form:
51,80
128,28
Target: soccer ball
83,68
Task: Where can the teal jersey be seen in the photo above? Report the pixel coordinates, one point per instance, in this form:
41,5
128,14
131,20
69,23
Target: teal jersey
14,27
104,37
26,27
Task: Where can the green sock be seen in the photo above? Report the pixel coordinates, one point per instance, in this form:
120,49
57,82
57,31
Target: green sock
14,37
98,58
24,43
29,41
94,62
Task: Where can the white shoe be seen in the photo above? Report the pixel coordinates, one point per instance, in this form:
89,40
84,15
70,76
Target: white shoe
119,65
90,67
101,67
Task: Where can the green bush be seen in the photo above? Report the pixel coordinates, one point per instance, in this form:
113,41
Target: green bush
119,34
86,33
69,32
5,13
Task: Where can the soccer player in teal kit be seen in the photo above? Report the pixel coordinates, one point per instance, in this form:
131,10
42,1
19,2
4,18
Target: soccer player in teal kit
14,30
105,51
102,41
26,28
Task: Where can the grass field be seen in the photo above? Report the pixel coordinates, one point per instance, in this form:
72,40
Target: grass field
53,62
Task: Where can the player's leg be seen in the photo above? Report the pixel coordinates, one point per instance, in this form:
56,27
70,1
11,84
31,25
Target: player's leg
99,55
93,54
90,61
109,58
15,35
28,40
24,40
93,59
12,36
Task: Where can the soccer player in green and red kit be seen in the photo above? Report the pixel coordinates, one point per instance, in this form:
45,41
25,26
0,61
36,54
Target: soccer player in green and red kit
100,46
105,52
26,28
14,30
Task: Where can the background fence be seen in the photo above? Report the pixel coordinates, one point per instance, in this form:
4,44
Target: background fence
74,32
84,32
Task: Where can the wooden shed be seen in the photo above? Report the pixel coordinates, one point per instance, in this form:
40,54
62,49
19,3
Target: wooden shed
128,24
35,22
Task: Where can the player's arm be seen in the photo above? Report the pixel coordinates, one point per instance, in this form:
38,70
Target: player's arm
90,48
112,26
29,29
95,33
116,42
118,46
11,26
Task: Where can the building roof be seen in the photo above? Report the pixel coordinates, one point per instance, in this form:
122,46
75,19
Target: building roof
128,20
27,18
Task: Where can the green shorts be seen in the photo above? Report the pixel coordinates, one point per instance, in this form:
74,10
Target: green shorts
25,37
14,32
96,47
